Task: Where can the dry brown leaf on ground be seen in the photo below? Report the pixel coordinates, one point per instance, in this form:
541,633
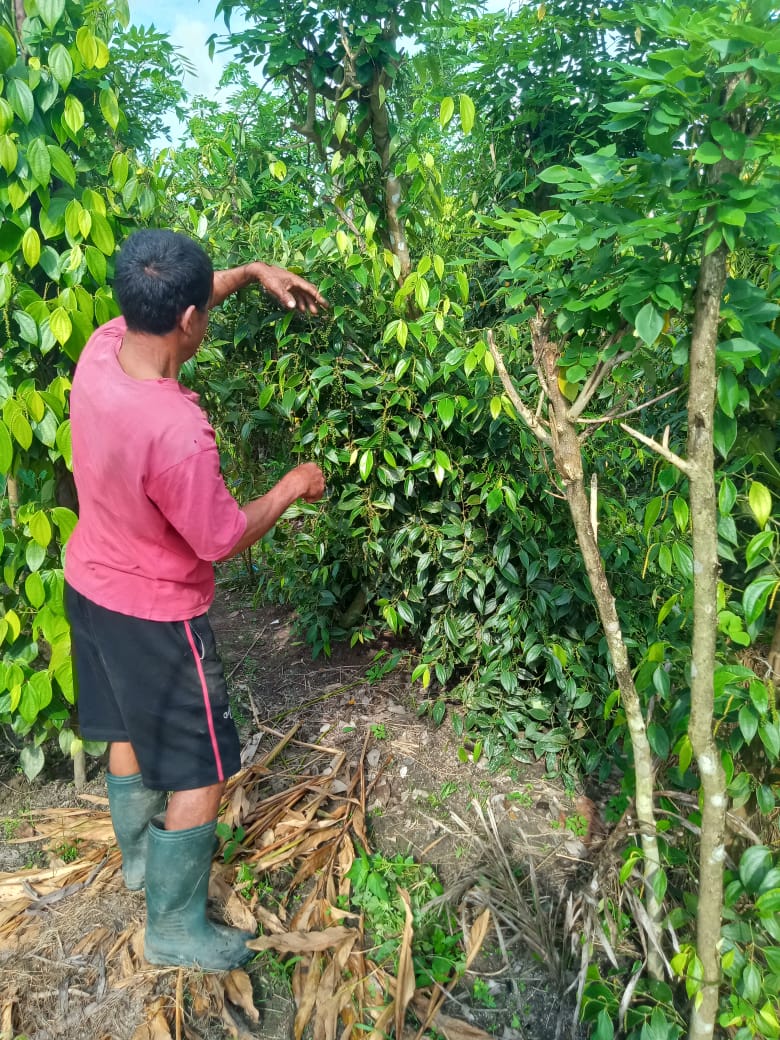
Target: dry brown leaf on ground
359,825
315,836
121,941
9,911
335,913
215,987
476,937
358,970
334,994
238,990
178,1013
137,942
287,849
382,1023
346,858
313,863
235,1029
306,981
452,1028
267,918
237,807
304,913
292,846
91,941
213,998
156,1025
123,968
236,909
45,880
201,997
302,942
405,984
110,870
7,1015
67,824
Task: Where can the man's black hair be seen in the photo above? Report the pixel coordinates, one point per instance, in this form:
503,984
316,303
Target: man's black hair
159,274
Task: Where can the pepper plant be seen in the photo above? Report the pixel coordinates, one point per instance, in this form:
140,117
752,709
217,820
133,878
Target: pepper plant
67,189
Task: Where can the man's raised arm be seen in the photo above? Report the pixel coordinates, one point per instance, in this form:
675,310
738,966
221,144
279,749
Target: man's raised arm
289,289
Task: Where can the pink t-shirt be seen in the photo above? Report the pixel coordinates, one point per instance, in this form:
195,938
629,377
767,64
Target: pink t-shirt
154,511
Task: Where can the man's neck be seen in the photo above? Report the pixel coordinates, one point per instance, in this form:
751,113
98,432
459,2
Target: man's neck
144,356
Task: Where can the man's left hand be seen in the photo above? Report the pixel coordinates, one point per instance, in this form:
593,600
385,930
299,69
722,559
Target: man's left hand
290,289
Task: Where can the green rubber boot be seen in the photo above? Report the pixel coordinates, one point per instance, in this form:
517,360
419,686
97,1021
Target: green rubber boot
132,807
177,882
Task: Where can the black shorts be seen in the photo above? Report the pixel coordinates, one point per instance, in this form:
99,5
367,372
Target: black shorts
159,685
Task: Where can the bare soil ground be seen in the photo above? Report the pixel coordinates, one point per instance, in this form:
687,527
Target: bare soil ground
71,962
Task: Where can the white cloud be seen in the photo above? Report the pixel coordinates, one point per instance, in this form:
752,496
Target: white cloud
190,37
188,32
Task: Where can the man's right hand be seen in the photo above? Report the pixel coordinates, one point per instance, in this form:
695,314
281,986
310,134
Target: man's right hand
312,481
305,481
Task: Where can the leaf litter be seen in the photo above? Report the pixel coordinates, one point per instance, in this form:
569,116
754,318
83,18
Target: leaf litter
68,952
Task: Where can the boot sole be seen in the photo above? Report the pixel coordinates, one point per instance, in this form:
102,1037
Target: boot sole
161,960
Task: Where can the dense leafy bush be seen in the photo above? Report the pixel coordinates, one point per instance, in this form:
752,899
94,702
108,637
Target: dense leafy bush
439,516
68,188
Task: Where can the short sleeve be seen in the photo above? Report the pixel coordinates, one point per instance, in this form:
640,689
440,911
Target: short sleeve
192,496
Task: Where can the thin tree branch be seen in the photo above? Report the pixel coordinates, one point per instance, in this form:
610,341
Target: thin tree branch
594,505
349,222
611,416
594,381
598,375
533,423
660,449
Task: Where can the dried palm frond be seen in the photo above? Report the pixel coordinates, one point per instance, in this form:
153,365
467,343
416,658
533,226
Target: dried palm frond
53,917
560,926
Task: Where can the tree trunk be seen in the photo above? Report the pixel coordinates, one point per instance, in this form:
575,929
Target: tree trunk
704,522
391,185
80,770
568,461
12,490
773,657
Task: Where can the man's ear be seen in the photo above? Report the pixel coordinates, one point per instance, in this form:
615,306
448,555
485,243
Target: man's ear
185,320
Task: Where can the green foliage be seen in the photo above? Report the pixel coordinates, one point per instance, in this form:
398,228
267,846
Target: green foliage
439,523
437,951
616,262
429,528
550,159
482,995
63,202
751,948
750,956
231,839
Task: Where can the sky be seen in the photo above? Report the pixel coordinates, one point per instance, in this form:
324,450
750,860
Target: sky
188,25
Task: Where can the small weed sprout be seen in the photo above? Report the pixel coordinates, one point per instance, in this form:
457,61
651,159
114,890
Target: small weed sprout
577,824
383,664
522,798
68,851
232,839
482,995
447,790
245,880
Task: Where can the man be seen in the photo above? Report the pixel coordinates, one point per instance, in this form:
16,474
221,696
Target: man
154,515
